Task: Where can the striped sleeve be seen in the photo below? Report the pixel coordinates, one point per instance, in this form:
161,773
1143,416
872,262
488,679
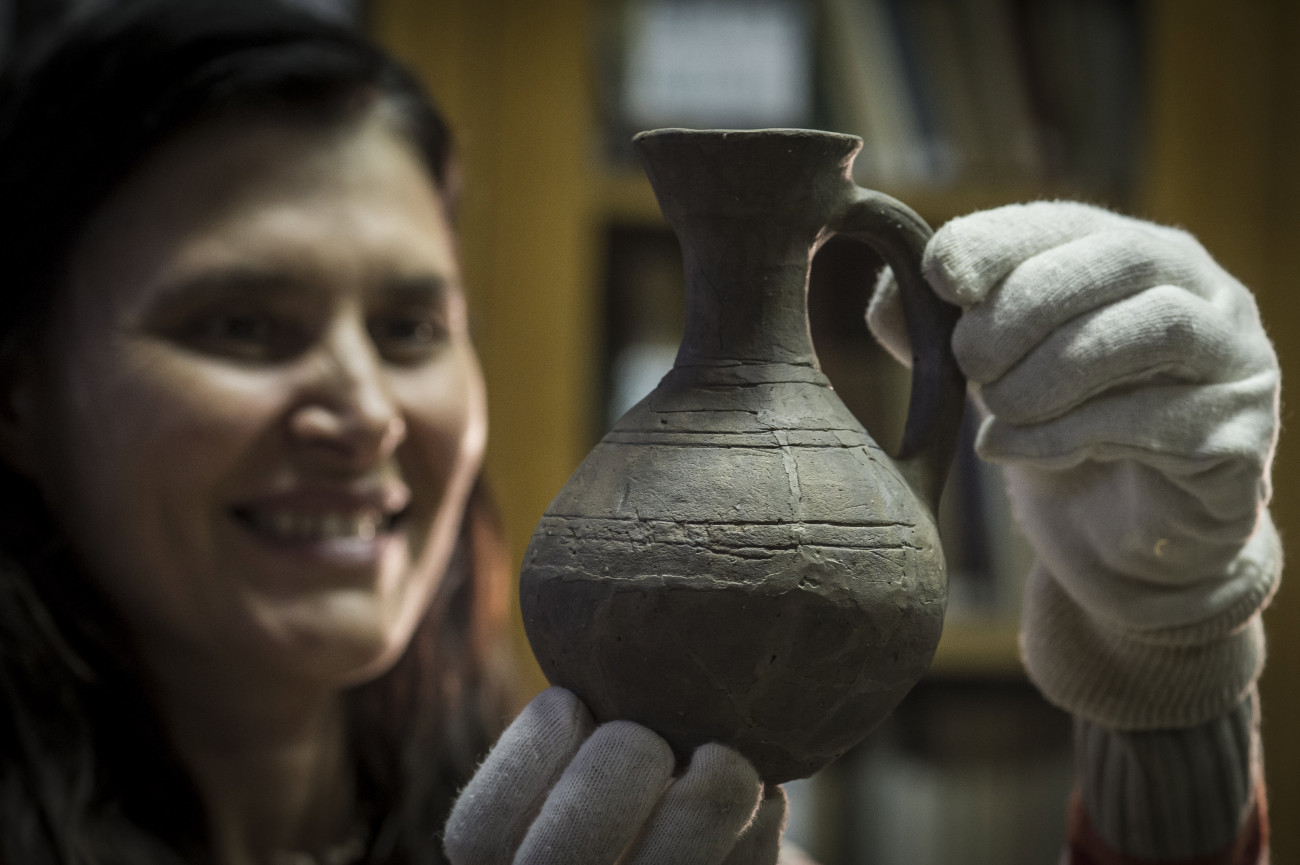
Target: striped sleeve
1086,847
1185,796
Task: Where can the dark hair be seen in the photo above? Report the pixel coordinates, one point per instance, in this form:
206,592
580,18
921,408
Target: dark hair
86,774
79,111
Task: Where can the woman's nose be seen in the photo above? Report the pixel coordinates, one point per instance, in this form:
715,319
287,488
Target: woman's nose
348,413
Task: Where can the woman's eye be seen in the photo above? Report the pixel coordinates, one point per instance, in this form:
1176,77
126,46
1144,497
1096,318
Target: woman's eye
241,328
407,338
246,335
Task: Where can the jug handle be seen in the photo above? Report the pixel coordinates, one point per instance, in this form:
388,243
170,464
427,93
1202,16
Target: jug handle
938,394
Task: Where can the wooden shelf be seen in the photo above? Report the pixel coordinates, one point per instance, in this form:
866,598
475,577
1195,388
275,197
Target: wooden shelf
978,648
625,197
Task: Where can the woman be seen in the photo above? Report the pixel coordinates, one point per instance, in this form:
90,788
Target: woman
249,610
252,586
242,612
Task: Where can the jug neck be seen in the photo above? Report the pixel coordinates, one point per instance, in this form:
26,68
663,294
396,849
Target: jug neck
746,293
749,208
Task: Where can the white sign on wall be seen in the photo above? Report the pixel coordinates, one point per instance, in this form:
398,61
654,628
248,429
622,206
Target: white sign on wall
718,63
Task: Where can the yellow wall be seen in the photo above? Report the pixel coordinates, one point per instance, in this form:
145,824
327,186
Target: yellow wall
511,75
1224,161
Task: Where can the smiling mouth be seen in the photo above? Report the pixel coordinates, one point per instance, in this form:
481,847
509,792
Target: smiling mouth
287,525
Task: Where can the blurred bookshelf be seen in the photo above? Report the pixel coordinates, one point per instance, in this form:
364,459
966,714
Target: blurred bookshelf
963,771
1183,114
547,99
962,105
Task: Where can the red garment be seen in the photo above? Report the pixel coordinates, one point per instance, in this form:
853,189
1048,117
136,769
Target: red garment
1085,846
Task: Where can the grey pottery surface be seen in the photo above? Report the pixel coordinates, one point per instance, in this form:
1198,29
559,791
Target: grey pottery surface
738,560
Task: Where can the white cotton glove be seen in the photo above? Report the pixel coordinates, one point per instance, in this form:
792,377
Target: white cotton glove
1130,396
558,790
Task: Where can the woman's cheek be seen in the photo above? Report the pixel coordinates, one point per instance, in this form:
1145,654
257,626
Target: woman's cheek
446,408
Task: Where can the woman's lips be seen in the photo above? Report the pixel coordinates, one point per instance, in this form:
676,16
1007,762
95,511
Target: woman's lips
290,525
336,526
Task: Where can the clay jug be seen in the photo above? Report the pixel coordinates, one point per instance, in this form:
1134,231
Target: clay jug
737,560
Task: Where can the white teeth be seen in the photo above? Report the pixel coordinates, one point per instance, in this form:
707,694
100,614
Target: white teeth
367,525
297,526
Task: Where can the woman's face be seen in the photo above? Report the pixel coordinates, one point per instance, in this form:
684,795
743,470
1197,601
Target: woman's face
257,413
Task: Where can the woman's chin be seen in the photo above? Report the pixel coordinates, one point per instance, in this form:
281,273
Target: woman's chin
341,638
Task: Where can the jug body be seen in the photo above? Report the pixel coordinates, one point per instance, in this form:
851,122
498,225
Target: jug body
737,560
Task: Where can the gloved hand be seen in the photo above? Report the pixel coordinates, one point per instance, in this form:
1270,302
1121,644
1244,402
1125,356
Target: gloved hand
1130,396
558,789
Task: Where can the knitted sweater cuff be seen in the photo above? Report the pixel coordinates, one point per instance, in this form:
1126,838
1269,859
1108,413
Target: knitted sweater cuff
1138,680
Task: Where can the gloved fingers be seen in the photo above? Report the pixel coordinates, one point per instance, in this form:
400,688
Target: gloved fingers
1053,288
1183,430
761,842
971,255
885,318
494,811
703,813
603,799
1135,535
1160,335
1085,256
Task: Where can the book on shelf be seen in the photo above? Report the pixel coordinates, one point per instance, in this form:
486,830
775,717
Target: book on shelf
985,92
865,82
930,32
1084,67
1002,88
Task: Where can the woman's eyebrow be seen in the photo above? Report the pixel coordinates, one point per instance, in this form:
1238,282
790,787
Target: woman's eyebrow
238,281
423,287
244,283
